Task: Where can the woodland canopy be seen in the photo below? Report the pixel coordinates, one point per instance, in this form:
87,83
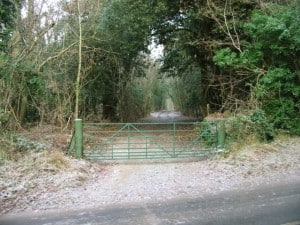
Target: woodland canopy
90,59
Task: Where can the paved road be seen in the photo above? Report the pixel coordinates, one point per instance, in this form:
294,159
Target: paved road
270,205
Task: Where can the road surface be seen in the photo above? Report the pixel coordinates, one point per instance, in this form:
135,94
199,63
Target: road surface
274,204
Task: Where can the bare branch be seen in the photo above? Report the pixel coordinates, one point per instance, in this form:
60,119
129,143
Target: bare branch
57,55
236,45
224,24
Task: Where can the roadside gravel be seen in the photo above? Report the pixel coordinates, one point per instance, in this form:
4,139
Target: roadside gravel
78,183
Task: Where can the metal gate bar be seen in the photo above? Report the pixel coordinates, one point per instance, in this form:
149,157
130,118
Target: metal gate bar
113,141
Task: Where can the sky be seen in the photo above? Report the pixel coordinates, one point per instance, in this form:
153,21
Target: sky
156,50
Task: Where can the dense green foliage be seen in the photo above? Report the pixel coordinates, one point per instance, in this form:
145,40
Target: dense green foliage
236,56
276,35
271,54
7,13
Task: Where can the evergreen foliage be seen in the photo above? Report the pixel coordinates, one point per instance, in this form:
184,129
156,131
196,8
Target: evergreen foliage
218,56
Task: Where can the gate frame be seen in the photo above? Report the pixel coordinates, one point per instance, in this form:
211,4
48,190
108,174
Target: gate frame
77,137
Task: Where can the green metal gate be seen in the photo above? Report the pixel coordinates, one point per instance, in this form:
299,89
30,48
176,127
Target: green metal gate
119,141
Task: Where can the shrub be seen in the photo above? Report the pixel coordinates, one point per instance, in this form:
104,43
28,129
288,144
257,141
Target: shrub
262,127
253,126
279,92
4,117
24,144
238,127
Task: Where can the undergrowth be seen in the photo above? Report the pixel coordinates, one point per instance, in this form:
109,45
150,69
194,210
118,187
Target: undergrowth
30,154
44,161
247,129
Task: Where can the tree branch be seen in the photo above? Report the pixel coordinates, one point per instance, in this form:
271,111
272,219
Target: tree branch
56,56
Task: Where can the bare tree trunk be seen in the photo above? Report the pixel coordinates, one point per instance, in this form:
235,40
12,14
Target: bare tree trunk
78,80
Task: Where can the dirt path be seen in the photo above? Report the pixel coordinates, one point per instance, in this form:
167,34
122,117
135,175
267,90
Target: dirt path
79,183
167,116
50,180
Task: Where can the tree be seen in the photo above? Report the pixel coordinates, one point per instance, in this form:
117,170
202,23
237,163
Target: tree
8,10
275,35
78,78
22,83
271,55
87,58
192,31
122,34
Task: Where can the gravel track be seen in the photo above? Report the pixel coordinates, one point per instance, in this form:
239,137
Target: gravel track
86,184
